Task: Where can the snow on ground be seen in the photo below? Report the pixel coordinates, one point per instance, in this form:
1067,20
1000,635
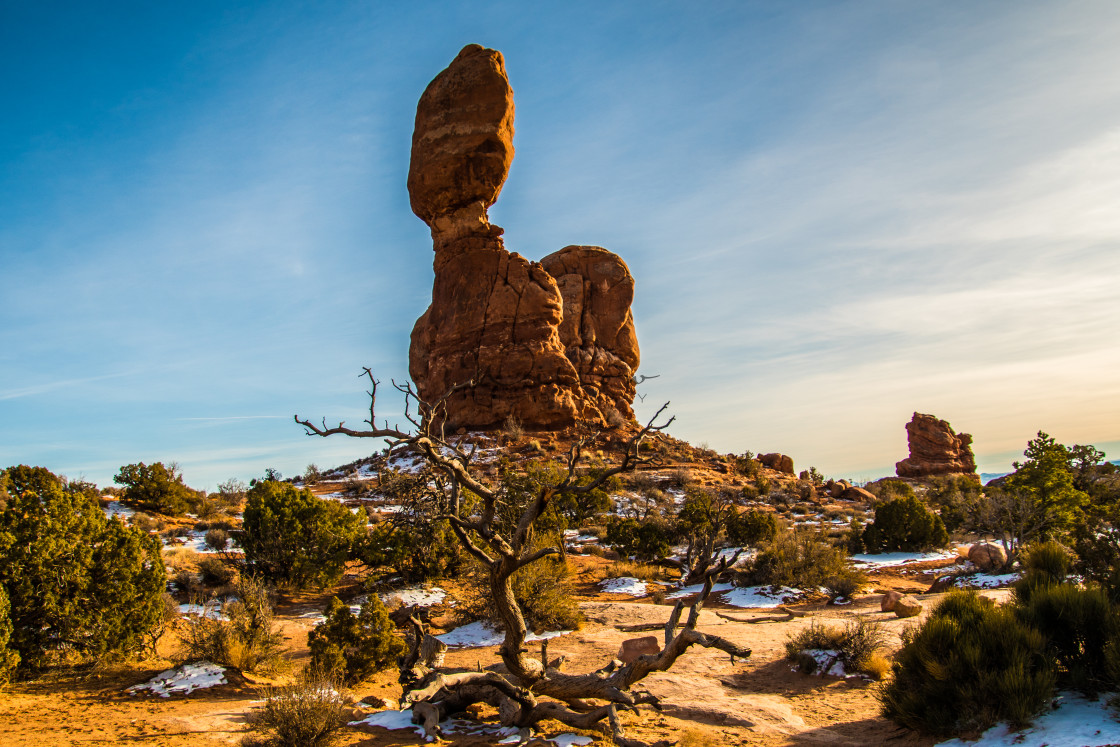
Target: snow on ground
390,719
481,633
571,740
624,585
759,596
211,610
194,541
1077,722
981,581
415,595
828,662
184,678
116,508
411,463
400,720
696,589
886,559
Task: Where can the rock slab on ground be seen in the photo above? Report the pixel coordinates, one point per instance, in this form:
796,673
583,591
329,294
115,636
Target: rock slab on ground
632,648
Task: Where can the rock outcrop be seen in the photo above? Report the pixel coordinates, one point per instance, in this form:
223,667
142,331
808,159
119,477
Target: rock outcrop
935,449
547,344
597,330
779,462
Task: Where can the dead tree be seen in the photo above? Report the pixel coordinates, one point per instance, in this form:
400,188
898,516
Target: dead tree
582,701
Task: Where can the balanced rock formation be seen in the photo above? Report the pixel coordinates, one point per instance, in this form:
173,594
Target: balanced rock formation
935,449
547,344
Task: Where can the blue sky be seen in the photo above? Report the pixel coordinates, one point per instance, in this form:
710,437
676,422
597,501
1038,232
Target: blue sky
837,214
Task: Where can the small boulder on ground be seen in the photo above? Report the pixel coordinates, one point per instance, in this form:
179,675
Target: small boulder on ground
907,606
987,556
889,600
634,647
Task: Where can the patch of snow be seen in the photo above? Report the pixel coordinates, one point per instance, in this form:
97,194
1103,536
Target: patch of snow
400,720
389,509
676,494
195,540
887,559
828,662
481,633
766,597
211,610
624,585
333,496
393,720
411,463
415,595
116,508
184,678
1075,722
571,740
981,581
696,589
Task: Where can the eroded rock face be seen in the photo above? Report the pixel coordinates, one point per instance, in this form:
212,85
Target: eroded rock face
935,449
545,344
597,329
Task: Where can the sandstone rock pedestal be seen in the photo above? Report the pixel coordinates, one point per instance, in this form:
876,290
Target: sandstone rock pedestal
545,343
935,449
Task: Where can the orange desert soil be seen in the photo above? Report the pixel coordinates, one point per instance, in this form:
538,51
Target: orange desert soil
707,698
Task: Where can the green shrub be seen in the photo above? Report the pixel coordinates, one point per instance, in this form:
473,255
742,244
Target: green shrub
845,585
1082,630
855,644
292,537
243,636
645,540
217,539
307,713
751,528
542,590
78,584
1044,564
155,488
889,489
802,559
414,543
904,524
351,648
1097,544
970,665
954,497
9,659
215,572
